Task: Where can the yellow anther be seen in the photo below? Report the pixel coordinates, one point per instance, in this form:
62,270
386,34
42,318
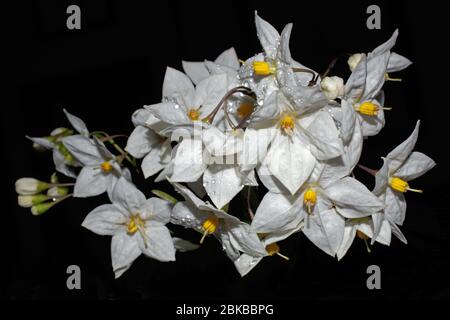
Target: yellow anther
263,68
401,185
368,108
193,114
310,199
134,224
363,237
106,167
273,249
209,226
245,109
287,124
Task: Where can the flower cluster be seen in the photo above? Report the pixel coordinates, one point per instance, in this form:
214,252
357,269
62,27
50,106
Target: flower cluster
224,127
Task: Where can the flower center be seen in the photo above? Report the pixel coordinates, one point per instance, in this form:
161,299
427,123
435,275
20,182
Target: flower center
244,109
401,185
134,224
106,167
361,235
209,226
368,108
310,199
262,68
193,114
287,124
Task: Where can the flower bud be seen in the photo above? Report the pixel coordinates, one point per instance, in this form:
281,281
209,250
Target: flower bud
354,60
333,87
57,191
30,186
28,201
42,208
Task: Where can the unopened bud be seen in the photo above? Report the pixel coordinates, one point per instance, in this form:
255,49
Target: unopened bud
30,186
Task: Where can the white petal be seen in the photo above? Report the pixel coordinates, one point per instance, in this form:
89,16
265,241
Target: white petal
229,59
170,112
156,209
188,161
381,179
348,121
209,92
195,70
185,214
323,134
270,181
42,142
277,212
151,163
61,166
141,141
247,240
354,87
395,206
140,117
187,194
397,232
127,196
77,123
222,183
182,245
90,182
245,263
352,198
124,250
397,62
290,161
104,220
325,229
416,165
255,145
347,240
84,150
159,244
401,153
284,52
267,35
177,85
376,71
387,46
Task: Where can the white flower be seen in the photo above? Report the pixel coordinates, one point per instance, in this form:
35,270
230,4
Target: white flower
333,87
144,142
400,166
182,103
64,161
234,235
100,171
30,186
137,225
293,141
322,205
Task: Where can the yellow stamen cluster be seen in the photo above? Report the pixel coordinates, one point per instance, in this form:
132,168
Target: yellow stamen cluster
106,167
209,226
368,108
134,224
287,124
401,185
262,68
244,109
193,114
310,199
273,249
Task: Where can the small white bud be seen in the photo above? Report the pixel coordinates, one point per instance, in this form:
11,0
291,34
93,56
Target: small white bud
25,201
354,60
333,87
30,186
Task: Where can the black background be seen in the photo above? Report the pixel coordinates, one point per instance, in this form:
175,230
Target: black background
116,63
